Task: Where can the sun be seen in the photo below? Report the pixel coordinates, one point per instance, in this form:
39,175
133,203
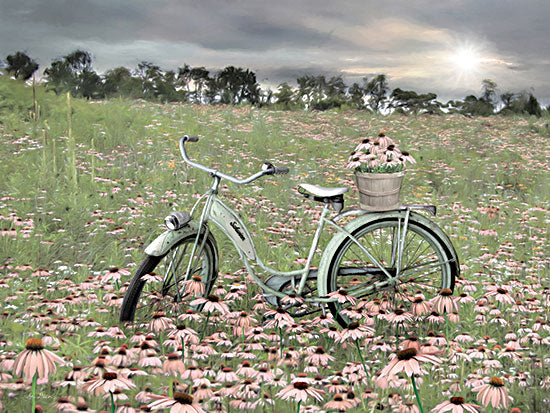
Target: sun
466,60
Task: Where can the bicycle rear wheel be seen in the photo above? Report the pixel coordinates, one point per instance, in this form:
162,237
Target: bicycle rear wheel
142,304
427,265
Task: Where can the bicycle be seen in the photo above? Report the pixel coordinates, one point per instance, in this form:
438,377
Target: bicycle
399,255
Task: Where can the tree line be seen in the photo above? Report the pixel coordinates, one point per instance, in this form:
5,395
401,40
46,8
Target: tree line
74,73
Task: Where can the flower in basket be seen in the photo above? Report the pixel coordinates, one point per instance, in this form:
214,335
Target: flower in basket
378,155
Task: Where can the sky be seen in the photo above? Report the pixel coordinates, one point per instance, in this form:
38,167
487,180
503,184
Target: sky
444,46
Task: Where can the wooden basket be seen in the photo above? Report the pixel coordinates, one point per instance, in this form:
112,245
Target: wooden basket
379,192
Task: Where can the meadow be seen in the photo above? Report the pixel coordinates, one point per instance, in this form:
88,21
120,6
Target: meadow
85,187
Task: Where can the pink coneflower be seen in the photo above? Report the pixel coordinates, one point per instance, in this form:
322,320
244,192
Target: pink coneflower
420,307
280,318
173,364
355,331
502,296
342,297
338,403
108,384
300,389
456,405
319,357
180,403
114,274
194,286
243,322
399,316
435,318
35,360
383,140
493,393
292,299
408,360
160,322
444,302
411,342
212,304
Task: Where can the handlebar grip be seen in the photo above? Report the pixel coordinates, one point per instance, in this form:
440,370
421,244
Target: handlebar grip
281,170
190,138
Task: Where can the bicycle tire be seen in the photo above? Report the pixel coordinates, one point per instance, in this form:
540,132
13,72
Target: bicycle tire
437,241
208,275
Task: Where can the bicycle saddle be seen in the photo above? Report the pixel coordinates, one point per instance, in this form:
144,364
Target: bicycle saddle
322,191
332,196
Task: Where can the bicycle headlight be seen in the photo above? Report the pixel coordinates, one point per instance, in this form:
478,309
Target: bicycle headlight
177,220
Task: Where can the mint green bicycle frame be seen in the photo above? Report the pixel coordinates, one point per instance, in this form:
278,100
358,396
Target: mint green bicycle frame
233,227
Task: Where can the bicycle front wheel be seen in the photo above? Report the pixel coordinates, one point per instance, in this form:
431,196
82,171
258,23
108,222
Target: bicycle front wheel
422,258
157,288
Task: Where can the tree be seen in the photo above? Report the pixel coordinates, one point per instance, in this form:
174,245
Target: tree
357,93
285,96
488,91
472,106
73,73
533,107
21,66
119,82
200,77
376,90
237,85
408,101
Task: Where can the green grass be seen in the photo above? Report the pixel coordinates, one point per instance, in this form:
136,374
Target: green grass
125,151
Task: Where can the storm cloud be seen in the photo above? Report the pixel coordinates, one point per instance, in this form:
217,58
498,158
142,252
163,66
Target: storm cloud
413,43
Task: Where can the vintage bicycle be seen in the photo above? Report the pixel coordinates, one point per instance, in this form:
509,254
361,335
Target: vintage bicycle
399,255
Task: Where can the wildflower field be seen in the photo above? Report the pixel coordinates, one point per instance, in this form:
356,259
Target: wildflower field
86,185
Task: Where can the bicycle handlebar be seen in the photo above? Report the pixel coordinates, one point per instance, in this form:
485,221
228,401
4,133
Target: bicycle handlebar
267,168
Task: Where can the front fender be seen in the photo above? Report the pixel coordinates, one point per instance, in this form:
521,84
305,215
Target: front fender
162,244
331,248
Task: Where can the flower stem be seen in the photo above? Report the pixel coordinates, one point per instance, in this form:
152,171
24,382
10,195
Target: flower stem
298,408
281,346
182,350
112,402
205,325
34,391
361,357
416,394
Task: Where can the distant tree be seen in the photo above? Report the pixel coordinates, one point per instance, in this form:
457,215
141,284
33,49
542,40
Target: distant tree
200,77
376,91
212,90
408,101
184,77
488,91
473,106
533,107
119,82
150,76
285,96
306,85
507,99
356,96
73,73
237,85
20,65
524,103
